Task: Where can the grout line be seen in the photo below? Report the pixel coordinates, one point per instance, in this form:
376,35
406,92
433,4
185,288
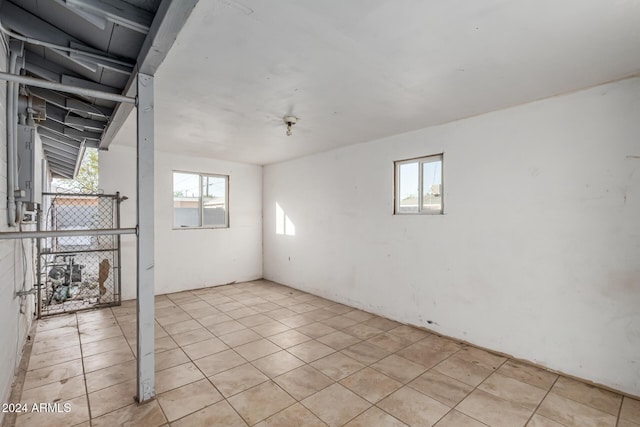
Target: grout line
477,387
124,336
225,398
542,400
268,377
587,404
192,361
155,398
375,405
84,373
620,411
455,379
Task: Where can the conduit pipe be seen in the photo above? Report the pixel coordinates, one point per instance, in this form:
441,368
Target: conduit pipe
30,81
66,233
11,165
16,120
62,48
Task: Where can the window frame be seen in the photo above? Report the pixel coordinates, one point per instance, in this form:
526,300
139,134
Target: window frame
396,185
226,201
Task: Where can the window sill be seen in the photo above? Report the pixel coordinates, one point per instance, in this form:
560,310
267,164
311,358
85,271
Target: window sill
210,227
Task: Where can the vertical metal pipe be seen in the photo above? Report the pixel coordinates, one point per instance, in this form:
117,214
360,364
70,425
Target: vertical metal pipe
38,278
145,247
16,95
11,200
119,247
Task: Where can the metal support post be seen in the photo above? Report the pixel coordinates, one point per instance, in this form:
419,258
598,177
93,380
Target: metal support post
145,247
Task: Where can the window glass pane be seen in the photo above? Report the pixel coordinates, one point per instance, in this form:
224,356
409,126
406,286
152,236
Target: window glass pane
214,190
432,186
408,188
186,200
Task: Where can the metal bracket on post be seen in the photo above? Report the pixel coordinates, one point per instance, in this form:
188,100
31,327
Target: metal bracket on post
145,247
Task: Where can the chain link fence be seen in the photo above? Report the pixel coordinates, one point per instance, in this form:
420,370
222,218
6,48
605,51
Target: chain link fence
78,272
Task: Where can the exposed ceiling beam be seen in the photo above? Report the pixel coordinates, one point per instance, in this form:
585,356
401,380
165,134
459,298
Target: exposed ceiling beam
116,11
62,154
50,96
94,110
46,133
86,124
56,114
29,25
76,81
57,128
98,21
72,163
49,70
62,116
57,174
62,170
57,165
94,62
74,133
63,161
81,108
59,146
40,67
71,133
55,144
169,20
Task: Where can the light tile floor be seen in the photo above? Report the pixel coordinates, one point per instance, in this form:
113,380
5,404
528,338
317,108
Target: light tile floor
262,354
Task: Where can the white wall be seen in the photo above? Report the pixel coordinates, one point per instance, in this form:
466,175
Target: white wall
14,324
189,259
536,256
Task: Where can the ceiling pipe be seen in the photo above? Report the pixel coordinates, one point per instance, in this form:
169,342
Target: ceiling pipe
30,81
62,48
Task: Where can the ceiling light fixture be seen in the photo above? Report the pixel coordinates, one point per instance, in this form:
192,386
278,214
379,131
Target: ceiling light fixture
290,121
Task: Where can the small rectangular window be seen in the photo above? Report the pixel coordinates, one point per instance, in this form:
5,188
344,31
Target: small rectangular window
418,186
200,201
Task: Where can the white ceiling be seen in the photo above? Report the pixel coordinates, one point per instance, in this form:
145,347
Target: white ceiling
359,70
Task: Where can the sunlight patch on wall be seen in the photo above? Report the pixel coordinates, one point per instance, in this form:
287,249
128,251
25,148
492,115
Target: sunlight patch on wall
284,225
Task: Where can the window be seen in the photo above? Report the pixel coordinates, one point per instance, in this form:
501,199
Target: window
200,201
418,188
